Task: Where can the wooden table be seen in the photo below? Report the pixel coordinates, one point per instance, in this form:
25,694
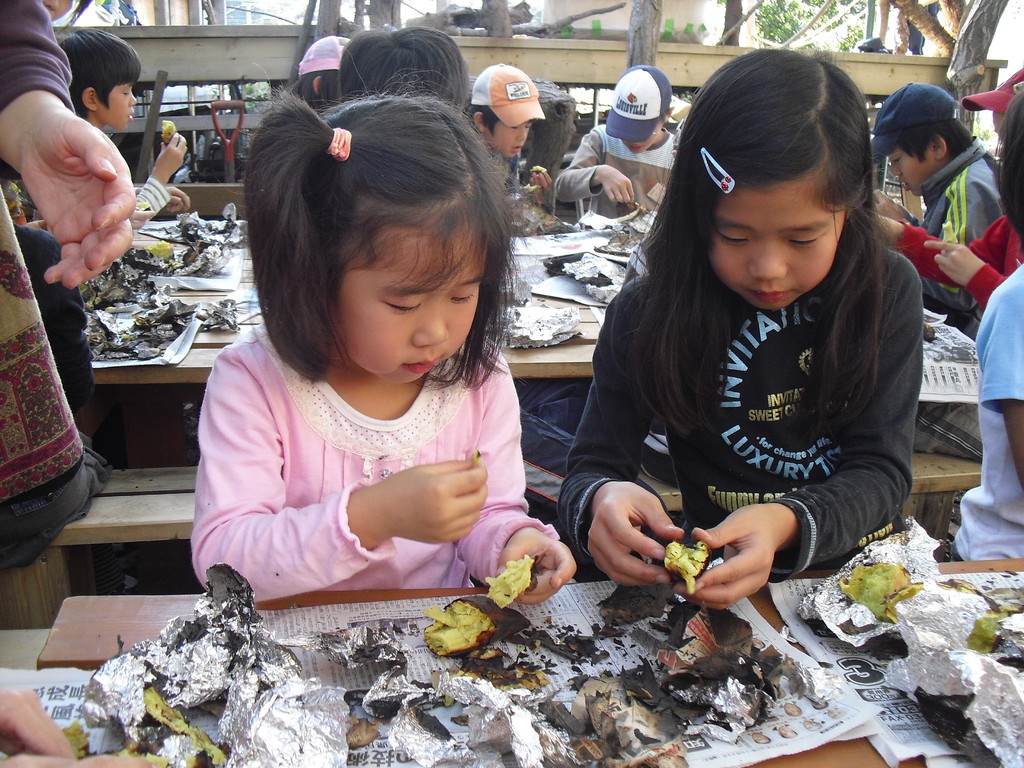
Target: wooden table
89,630
152,397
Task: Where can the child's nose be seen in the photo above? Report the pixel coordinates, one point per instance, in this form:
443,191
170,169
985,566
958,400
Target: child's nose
432,330
768,264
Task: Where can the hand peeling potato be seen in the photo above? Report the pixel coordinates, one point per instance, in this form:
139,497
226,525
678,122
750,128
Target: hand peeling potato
687,562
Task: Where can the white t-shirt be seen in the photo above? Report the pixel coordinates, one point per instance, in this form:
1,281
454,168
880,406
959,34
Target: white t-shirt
993,514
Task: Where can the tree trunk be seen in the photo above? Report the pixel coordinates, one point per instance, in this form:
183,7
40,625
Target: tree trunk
953,12
733,22
549,138
967,65
327,20
915,14
495,18
644,30
385,13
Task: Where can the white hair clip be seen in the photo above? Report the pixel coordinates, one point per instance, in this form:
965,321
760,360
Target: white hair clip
718,174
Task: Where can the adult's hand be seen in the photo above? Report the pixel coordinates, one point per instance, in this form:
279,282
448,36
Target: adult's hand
33,740
78,181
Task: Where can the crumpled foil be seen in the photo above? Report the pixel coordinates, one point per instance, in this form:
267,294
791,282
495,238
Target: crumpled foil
851,621
542,326
603,278
391,690
355,646
299,723
495,718
936,624
222,655
995,693
424,738
128,318
154,318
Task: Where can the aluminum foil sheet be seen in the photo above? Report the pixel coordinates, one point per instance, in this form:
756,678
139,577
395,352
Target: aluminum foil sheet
496,719
390,691
851,621
542,326
356,646
603,278
299,723
993,695
420,735
195,662
128,318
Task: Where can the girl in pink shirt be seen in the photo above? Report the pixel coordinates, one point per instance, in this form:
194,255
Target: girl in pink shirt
337,441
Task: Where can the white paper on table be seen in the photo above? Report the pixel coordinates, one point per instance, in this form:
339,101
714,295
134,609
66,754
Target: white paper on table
172,355
227,279
577,605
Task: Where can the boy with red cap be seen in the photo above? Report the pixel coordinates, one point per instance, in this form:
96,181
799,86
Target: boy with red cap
504,104
629,158
996,101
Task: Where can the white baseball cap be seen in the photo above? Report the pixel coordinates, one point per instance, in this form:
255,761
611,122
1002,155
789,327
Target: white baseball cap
643,96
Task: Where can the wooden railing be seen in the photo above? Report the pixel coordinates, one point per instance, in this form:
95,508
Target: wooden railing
225,54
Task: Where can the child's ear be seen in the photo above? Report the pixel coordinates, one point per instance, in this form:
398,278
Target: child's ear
91,99
316,84
938,148
478,121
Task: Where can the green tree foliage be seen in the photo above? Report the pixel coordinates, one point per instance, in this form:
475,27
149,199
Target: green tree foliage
840,28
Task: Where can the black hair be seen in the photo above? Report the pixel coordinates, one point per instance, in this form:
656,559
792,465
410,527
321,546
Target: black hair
767,117
916,139
410,61
490,119
415,164
99,60
329,93
1011,163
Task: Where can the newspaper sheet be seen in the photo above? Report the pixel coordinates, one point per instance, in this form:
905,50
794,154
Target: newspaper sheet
902,732
951,370
795,725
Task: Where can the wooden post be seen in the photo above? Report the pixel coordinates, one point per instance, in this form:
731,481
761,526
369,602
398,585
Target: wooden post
644,30
495,18
152,115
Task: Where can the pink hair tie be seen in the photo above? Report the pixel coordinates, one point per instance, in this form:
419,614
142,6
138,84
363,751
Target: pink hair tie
340,145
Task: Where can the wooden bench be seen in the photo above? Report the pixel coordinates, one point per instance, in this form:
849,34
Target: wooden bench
136,505
937,480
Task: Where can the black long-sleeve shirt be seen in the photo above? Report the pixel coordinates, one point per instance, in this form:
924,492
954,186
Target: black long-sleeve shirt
843,488
63,316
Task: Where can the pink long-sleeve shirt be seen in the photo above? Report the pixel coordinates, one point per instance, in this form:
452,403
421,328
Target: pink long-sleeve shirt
281,456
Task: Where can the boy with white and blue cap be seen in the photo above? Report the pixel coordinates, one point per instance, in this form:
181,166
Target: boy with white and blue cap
628,159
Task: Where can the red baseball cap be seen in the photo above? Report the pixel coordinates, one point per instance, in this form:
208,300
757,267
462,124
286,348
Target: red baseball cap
997,100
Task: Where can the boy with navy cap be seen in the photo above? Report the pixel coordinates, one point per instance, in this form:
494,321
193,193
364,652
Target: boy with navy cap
933,155
628,159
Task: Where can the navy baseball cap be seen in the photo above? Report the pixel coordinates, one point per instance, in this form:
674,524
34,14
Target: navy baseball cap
642,97
913,104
